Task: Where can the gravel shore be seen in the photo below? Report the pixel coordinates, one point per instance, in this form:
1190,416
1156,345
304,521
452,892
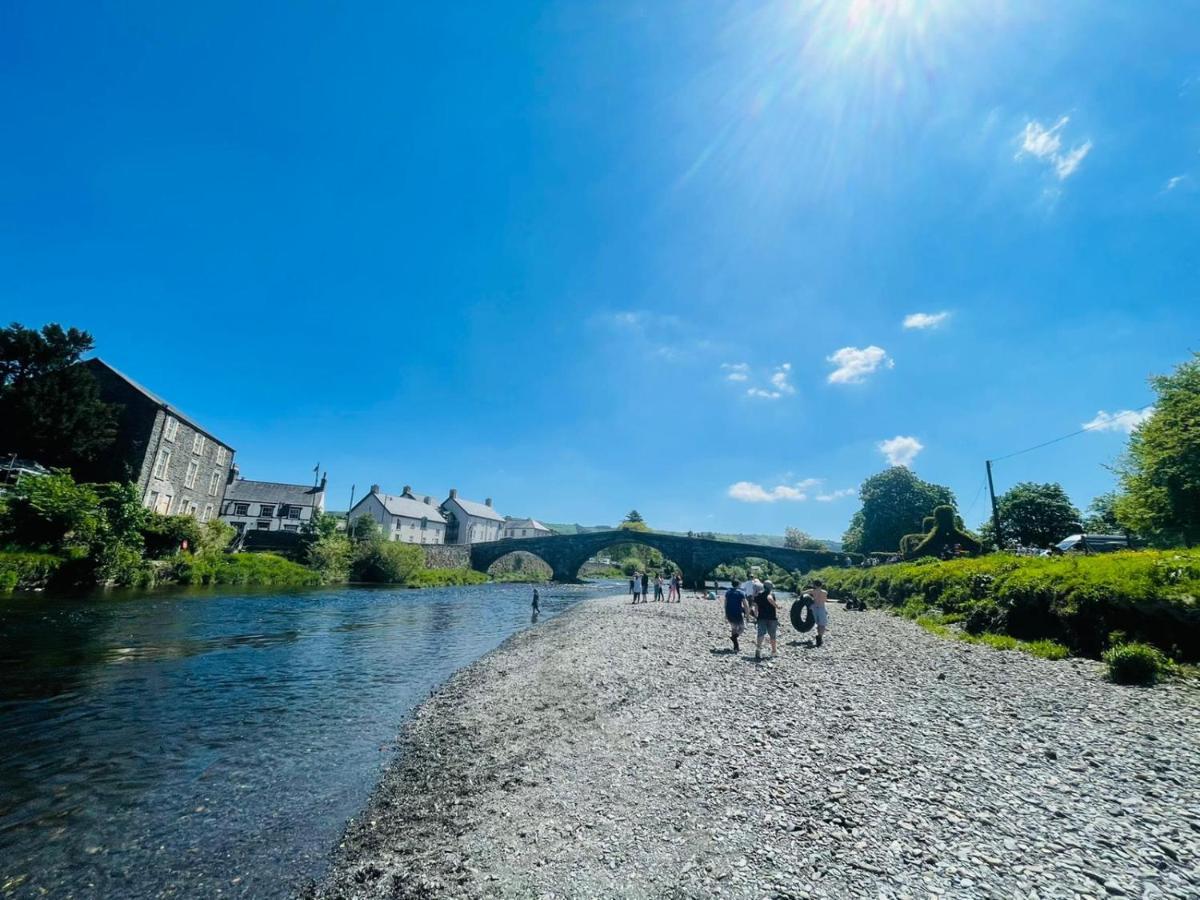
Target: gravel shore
624,751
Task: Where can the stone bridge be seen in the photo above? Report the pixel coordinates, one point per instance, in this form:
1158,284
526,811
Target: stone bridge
696,557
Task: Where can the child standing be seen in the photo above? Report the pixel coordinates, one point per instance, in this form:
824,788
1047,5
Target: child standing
820,610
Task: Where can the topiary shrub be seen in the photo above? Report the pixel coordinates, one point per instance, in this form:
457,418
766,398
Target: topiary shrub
1135,664
945,535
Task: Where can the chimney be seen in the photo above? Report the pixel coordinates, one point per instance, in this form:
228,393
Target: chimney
374,489
453,493
324,479
487,502
429,501
234,474
407,492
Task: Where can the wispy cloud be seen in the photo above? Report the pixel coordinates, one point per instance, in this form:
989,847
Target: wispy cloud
736,371
1178,181
836,495
778,384
1046,144
1126,420
900,450
752,492
925,320
852,365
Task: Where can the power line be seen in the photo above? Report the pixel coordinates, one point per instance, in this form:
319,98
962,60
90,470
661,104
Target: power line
975,499
1057,439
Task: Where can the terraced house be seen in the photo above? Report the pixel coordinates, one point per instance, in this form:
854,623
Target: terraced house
407,517
178,465
271,505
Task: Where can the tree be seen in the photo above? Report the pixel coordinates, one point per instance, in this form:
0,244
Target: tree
894,503
634,516
634,522
49,404
1160,471
1034,515
51,513
795,539
1101,515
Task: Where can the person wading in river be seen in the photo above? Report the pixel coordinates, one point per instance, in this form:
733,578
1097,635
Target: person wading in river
767,613
736,610
536,599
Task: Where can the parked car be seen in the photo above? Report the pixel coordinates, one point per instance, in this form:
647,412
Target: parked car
1094,543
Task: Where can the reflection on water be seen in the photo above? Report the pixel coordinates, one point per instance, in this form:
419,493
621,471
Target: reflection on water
199,743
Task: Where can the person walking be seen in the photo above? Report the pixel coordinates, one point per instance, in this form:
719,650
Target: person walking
820,607
645,586
635,584
766,611
632,583
536,600
736,610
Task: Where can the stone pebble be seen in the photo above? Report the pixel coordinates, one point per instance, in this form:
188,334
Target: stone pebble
625,751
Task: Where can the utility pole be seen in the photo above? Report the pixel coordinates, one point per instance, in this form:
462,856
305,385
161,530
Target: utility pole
351,506
995,508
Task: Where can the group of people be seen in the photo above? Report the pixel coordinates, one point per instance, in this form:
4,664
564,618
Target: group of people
756,599
639,587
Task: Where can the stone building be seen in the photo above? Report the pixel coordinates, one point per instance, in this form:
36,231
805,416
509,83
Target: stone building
468,522
524,528
407,517
177,465
271,505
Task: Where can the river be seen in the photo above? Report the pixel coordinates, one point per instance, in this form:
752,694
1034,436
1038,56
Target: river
214,742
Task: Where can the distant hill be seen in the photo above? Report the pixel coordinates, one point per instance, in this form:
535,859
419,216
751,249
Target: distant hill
768,540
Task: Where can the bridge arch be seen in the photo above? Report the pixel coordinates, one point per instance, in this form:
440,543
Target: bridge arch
696,557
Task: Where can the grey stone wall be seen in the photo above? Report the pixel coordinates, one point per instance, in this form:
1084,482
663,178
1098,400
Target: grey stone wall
173,483
447,556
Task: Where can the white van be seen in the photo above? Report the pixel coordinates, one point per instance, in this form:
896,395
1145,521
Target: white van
1094,543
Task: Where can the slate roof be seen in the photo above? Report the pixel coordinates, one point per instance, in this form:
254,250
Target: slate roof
96,362
478,510
410,507
526,523
243,490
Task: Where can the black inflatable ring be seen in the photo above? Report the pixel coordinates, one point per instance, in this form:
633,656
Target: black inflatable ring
802,614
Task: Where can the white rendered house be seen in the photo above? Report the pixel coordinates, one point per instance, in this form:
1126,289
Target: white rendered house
468,522
407,517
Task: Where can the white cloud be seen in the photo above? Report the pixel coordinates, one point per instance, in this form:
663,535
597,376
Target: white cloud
779,382
1045,143
1064,166
854,365
900,450
779,379
1126,420
736,371
749,492
925,320
1177,181
764,394
752,492
836,495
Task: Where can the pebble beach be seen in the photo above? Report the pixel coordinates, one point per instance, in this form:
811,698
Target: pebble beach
627,751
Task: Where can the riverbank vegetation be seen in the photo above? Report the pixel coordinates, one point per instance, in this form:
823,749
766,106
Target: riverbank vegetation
1088,604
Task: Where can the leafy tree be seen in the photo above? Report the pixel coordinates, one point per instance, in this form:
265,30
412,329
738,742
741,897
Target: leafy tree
387,562
795,539
634,524
1101,515
51,406
634,516
164,535
1033,515
116,548
1160,472
365,530
894,503
51,513
328,551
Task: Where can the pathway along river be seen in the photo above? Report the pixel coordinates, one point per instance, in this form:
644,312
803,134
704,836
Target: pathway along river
215,743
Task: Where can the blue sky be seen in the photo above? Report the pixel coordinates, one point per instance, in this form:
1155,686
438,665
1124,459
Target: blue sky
585,257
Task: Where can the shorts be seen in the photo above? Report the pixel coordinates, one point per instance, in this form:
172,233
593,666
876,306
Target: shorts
768,626
737,626
821,616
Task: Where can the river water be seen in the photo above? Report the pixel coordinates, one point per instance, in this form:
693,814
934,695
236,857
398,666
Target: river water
214,743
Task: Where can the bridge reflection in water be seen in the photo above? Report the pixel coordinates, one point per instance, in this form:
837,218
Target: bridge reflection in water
696,557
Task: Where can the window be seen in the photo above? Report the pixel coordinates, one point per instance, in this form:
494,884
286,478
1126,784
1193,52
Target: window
214,482
163,505
266,509
239,527
152,500
424,523
198,444
263,525
241,509
170,429
291,527
293,512
220,455
207,512
160,464
192,470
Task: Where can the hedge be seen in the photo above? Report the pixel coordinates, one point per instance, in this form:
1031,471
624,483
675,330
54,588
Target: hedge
1150,595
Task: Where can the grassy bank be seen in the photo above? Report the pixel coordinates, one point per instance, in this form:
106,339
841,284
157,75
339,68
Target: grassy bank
1085,603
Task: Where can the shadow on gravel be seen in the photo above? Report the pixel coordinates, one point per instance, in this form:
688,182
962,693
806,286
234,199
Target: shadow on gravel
723,651
806,645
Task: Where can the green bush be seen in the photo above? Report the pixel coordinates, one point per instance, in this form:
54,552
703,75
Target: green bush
979,616
163,535
1153,596
244,568
387,562
445,577
27,571
1135,664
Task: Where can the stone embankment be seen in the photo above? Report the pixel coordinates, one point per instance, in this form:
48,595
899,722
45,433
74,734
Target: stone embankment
623,751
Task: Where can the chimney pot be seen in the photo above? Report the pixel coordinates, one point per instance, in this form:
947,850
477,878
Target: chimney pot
453,493
487,502
407,490
374,489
